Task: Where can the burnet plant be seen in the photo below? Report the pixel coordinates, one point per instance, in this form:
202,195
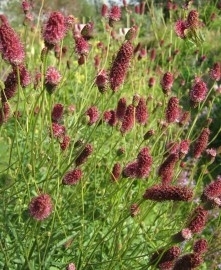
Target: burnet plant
106,158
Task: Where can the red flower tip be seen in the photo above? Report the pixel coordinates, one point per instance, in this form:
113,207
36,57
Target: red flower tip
200,246
211,194
180,27
104,11
72,177
64,144
173,110
71,266
82,47
40,207
167,82
114,14
166,169
193,19
141,113
198,91
57,112
52,79
188,261
215,72
183,235
93,114
54,30
101,81
58,131
121,109
201,143
116,172
82,158
161,193
162,256
198,220
110,118
151,82
128,120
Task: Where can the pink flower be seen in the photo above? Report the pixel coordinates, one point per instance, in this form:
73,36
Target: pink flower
110,117
26,6
188,261
198,220
173,110
72,177
130,170
193,19
11,86
11,47
104,11
167,82
84,154
54,30
64,144
200,246
215,72
121,108
57,112
211,194
52,79
141,113
116,172
128,120
71,266
40,207
120,65
144,163
114,15
81,46
166,170
180,27
101,81
161,193
201,143
162,255
93,114
184,235
198,91
58,131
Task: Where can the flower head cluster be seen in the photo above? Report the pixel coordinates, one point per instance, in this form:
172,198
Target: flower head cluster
198,91
40,207
11,47
101,81
120,65
201,143
54,30
71,266
65,142
140,168
114,14
87,30
167,82
141,113
58,131
26,6
166,169
198,220
193,19
128,120
52,79
161,193
104,11
212,194
93,114
82,47
121,109
180,27
200,246
188,261
84,154
110,117
57,112
215,72
173,110
72,177
116,171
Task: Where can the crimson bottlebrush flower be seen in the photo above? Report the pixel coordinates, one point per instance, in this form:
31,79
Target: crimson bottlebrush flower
116,172
58,131
180,27
200,246
184,148
165,255
141,113
201,143
87,31
166,169
128,120
144,163
120,65
173,110
83,156
82,47
173,147
134,210
188,261
131,33
161,193
52,79
65,142
54,29
114,14
121,109
211,194
215,72
167,82
102,81
198,220
72,177
11,86
4,112
110,117
26,6
198,91
193,19
130,170
25,77
57,112
93,114
40,207
71,266
151,82
11,47
104,11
